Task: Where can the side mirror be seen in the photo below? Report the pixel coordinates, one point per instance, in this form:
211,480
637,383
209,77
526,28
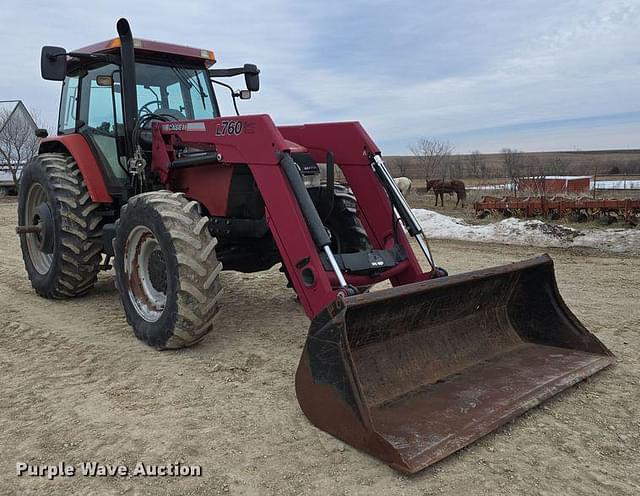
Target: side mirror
251,77
53,63
244,94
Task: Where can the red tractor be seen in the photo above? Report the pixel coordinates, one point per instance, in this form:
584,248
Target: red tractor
145,171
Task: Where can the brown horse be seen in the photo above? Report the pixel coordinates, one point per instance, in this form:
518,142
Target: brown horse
441,187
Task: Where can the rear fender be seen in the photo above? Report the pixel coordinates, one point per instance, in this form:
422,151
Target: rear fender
76,145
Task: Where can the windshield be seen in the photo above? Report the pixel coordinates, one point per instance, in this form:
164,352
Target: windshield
180,92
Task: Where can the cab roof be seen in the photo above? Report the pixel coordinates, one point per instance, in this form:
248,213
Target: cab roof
151,47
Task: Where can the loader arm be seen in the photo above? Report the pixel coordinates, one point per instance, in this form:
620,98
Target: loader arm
197,157
354,152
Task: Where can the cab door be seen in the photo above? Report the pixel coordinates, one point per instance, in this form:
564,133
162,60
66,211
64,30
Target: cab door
100,121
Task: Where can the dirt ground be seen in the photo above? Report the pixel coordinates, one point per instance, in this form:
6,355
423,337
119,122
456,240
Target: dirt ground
77,386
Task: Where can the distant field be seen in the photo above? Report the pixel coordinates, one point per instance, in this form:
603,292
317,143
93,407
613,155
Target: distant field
601,163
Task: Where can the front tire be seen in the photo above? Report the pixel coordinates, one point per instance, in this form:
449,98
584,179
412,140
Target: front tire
167,273
62,261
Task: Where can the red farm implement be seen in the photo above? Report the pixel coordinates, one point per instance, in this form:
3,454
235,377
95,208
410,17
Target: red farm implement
556,207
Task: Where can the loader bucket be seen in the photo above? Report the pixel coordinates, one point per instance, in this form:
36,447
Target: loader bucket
414,373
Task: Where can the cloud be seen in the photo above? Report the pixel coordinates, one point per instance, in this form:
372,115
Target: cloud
405,68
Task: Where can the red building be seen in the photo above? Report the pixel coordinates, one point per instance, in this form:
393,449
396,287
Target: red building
555,184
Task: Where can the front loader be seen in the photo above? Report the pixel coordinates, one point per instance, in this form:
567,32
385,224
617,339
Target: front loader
145,174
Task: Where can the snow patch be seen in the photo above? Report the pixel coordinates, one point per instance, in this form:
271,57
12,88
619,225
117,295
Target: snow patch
514,231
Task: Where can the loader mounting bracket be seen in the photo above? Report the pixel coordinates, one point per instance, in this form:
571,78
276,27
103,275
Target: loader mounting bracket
367,262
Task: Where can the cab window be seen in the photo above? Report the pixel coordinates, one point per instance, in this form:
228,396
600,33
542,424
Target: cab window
68,106
200,101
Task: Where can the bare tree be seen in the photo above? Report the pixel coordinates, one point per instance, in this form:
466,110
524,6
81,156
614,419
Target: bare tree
433,155
476,165
456,167
532,165
631,166
18,143
513,164
403,166
512,160
557,166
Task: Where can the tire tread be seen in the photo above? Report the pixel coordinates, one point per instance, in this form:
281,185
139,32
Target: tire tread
80,231
199,288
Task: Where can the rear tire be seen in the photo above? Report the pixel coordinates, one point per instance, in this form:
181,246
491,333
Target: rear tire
346,230
69,267
167,272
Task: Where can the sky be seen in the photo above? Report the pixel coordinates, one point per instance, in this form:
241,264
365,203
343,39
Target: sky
533,75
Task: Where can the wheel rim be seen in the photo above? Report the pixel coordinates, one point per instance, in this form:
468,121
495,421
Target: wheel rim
40,260
145,272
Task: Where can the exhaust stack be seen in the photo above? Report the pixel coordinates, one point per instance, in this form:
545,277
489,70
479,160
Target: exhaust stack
128,82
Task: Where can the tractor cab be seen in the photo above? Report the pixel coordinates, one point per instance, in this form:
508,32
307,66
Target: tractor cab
163,82
91,104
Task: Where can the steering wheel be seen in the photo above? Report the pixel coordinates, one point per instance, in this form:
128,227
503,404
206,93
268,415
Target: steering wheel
161,114
145,107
